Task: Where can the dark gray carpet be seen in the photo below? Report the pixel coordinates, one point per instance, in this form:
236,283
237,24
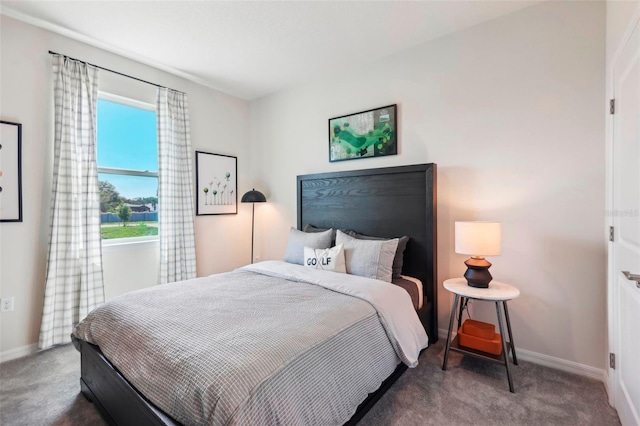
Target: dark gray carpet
476,392
43,389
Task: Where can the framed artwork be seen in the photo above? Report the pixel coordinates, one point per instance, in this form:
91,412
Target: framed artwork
364,134
10,172
216,184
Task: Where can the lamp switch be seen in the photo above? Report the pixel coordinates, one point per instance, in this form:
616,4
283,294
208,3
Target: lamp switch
6,304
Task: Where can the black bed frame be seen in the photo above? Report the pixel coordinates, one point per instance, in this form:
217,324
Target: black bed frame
386,202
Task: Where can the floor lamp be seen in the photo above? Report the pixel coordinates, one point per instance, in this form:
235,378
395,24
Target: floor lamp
253,197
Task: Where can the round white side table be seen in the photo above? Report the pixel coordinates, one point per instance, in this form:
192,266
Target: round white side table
497,292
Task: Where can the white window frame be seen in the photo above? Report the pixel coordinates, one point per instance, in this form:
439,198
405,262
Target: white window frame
117,244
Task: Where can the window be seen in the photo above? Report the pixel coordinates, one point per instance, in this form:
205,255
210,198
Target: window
127,168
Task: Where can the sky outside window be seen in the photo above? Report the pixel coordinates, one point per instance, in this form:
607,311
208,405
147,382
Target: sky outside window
127,140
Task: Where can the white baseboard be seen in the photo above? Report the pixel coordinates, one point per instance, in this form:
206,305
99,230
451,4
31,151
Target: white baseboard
18,352
553,362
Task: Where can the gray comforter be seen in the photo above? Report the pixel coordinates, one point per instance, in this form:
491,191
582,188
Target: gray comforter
246,348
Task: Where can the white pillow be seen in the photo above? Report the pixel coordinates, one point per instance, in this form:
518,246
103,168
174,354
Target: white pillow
298,240
368,258
331,259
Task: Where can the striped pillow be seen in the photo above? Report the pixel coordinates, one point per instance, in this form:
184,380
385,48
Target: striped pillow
368,258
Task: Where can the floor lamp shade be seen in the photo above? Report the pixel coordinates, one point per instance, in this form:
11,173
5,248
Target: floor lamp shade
253,197
478,239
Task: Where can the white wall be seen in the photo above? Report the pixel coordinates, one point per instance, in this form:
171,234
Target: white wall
219,124
512,113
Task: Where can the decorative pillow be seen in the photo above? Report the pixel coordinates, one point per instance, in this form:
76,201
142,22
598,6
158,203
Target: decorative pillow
331,259
298,240
368,258
398,260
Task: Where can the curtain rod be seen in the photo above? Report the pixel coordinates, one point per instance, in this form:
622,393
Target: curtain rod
115,72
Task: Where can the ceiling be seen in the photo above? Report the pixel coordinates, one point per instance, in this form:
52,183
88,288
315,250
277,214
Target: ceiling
250,49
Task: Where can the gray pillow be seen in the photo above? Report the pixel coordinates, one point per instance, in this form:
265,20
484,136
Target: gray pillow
298,240
368,258
398,260
311,228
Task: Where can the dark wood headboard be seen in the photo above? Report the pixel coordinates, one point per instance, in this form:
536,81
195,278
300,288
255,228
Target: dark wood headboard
386,202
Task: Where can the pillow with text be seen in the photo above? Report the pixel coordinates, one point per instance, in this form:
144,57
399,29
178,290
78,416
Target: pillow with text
331,259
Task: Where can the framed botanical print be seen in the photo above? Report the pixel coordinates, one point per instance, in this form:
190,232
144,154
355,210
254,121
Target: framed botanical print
10,172
216,184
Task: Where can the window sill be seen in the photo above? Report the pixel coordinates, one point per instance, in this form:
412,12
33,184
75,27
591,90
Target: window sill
123,244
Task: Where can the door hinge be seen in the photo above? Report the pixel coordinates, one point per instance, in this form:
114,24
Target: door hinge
612,106
612,360
611,233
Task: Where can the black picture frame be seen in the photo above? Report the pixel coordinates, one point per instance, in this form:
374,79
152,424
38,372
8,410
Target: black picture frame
365,134
10,171
216,184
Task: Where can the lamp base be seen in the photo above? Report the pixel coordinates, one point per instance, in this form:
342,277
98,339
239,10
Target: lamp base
478,274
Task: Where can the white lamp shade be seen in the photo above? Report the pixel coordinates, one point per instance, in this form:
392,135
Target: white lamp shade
478,238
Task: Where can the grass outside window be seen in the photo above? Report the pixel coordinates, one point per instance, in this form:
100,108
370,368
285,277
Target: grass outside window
136,229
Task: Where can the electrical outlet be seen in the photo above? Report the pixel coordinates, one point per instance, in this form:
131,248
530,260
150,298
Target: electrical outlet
6,304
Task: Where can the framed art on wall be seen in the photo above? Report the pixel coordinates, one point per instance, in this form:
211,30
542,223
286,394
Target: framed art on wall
10,172
216,184
364,134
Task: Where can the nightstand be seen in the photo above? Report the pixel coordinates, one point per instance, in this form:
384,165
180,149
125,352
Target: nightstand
497,292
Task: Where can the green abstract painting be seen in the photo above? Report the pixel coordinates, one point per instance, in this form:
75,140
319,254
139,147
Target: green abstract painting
364,134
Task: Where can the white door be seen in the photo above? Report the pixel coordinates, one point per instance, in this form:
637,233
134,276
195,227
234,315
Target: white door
625,250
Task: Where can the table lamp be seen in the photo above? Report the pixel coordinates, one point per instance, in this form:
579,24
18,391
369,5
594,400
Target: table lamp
253,197
478,239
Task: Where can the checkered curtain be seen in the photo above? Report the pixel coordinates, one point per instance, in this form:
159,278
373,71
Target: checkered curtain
74,283
175,188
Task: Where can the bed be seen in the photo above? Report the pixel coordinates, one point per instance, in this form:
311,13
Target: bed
365,201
